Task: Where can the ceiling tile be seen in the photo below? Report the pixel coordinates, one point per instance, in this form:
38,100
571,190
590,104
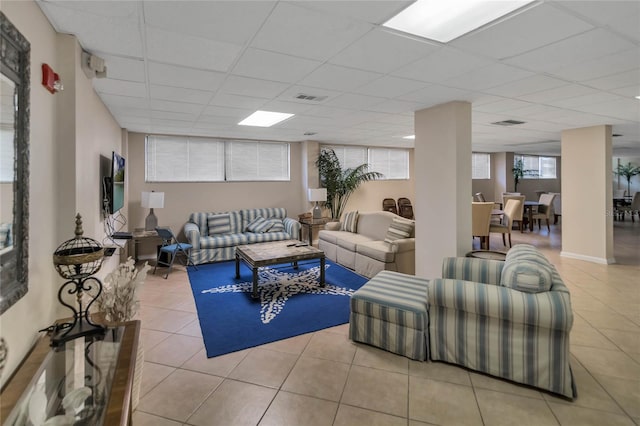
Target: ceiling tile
353,101
487,77
522,33
434,94
178,76
252,87
396,107
288,107
233,22
179,94
161,105
592,98
587,46
235,101
273,66
532,84
383,51
600,67
562,92
376,11
119,87
120,68
190,51
441,65
389,87
307,33
629,91
503,106
225,111
116,33
621,16
615,81
118,101
338,78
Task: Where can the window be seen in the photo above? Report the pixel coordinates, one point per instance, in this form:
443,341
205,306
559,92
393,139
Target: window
190,159
480,165
393,163
537,167
6,156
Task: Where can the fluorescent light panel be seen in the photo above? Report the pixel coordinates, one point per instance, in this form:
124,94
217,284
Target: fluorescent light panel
409,137
264,118
444,21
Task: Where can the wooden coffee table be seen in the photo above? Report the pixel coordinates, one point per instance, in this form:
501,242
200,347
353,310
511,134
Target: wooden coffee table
274,253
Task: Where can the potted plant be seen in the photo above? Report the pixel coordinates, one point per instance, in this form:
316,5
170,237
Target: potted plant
340,183
519,172
628,171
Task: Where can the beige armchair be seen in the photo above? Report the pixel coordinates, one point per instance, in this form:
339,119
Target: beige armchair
545,209
510,209
480,221
518,214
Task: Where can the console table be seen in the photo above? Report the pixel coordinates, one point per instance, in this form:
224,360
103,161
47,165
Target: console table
99,366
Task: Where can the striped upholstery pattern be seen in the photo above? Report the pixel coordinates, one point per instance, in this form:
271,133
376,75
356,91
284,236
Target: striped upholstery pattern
526,269
276,225
398,229
219,224
349,222
220,247
519,336
259,225
390,312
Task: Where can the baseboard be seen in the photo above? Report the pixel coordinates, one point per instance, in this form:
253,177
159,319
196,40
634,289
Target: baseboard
591,259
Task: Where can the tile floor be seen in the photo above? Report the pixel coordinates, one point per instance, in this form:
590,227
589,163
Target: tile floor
322,378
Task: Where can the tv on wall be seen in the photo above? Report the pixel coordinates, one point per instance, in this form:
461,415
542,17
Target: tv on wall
116,187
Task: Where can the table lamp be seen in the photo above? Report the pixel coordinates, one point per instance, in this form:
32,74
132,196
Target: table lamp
152,200
317,194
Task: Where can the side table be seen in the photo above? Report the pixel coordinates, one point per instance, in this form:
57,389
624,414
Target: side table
311,224
141,236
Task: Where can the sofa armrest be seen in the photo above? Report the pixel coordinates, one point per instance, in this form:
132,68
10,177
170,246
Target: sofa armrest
292,227
403,245
332,226
472,269
548,309
192,232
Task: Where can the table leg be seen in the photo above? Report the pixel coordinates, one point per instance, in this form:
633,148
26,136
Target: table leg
295,264
531,219
237,266
322,271
310,231
254,293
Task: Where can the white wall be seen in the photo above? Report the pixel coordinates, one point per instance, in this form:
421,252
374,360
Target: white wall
66,130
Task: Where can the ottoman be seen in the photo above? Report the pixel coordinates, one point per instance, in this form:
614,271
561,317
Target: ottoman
390,312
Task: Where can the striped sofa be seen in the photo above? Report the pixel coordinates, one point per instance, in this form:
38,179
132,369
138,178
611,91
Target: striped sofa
213,247
508,319
390,312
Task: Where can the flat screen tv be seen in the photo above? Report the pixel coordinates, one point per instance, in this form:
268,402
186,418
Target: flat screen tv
116,191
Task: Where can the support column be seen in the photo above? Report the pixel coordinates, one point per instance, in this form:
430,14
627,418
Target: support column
587,198
442,185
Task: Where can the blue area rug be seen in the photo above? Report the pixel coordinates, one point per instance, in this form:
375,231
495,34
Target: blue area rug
291,303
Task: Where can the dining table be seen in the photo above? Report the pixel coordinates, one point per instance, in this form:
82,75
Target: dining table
528,210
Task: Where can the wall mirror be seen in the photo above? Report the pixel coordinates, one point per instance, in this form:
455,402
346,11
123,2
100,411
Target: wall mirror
14,164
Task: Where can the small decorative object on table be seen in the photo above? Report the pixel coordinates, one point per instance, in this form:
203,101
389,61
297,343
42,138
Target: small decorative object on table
76,260
119,298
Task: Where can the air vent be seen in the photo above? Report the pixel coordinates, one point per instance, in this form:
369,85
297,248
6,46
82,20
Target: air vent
616,135
311,98
309,133
508,123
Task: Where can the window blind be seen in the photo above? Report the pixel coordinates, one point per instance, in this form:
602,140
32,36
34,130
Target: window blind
480,165
392,163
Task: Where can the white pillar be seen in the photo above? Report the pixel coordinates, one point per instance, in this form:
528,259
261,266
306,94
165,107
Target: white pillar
442,185
587,198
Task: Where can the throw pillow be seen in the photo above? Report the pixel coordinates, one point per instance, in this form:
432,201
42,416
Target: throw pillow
399,228
277,225
219,224
526,269
350,222
259,225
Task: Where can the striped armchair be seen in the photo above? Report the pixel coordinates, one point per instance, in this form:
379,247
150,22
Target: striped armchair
479,319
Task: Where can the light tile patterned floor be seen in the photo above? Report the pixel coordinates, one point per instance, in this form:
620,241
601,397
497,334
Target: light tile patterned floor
322,378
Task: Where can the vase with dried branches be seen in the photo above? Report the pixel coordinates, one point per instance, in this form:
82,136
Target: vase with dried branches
119,298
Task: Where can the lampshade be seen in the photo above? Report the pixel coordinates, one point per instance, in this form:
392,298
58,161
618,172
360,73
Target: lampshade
153,200
318,194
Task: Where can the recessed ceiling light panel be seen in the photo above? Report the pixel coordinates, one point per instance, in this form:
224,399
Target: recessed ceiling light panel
444,21
409,137
264,118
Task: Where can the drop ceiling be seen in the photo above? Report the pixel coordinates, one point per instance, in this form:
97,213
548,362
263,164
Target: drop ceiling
200,67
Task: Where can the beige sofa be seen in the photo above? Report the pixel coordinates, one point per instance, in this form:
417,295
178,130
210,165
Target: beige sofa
365,251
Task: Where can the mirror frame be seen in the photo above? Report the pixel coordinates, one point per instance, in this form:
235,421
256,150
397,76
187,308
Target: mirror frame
14,265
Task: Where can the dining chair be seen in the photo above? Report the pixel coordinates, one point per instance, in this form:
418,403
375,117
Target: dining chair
545,209
557,206
518,215
619,193
479,197
480,222
634,208
510,209
389,205
405,209
171,247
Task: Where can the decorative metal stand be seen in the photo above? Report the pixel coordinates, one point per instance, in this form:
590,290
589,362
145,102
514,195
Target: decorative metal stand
76,260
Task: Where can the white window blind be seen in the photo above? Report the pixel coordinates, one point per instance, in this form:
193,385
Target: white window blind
6,156
247,161
392,163
538,167
480,165
184,159
350,156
